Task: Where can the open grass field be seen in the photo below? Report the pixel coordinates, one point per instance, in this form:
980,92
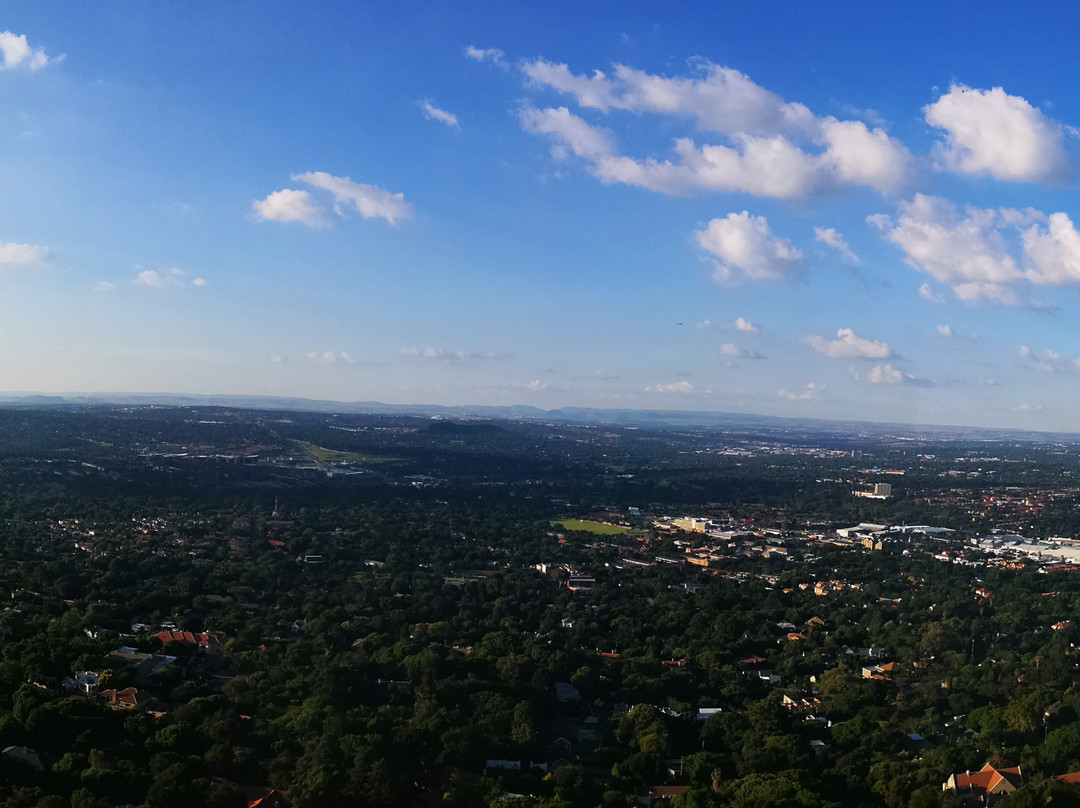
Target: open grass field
590,527
329,457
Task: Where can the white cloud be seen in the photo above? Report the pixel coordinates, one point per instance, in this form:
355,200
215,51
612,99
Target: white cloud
1027,407
722,100
493,55
673,387
369,200
732,350
536,384
945,330
761,156
812,392
330,358
103,286
1053,252
165,279
1049,361
964,251
744,242
986,253
862,156
828,235
444,355
434,113
288,205
926,293
742,324
703,325
569,132
991,132
884,374
13,255
887,374
847,344
16,52
762,166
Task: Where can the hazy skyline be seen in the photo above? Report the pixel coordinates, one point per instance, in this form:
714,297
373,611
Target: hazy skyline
846,211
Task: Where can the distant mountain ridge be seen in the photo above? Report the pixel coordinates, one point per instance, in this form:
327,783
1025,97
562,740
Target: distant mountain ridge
585,416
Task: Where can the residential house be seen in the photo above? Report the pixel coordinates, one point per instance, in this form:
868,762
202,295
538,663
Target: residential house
126,699
984,787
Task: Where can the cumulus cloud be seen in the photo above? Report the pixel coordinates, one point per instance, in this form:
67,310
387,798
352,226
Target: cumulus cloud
288,205
1052,252
887,374
762,155
16,52
103,286
434,113
165,279
992,132
743,242
673,387
742,324
945,330
370,201
848,344
858,155
16,255
986,253
491,55
733,351
884,374
811,392
829,235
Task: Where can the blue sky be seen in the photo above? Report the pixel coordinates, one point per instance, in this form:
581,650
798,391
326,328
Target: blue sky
836,211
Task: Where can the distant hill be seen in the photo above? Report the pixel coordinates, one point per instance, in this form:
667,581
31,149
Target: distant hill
626,418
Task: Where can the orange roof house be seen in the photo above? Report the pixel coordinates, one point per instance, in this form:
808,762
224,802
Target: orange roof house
984,787
126,699
203,639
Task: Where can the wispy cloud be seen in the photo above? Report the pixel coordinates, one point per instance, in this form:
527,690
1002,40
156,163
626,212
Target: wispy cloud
434,113
444,355
812,392
828,235
672,387
172,278
331,358
491,55
733,351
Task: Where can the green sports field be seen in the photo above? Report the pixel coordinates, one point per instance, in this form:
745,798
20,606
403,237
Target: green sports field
590,527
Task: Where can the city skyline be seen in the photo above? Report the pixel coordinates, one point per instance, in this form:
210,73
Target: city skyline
846,213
